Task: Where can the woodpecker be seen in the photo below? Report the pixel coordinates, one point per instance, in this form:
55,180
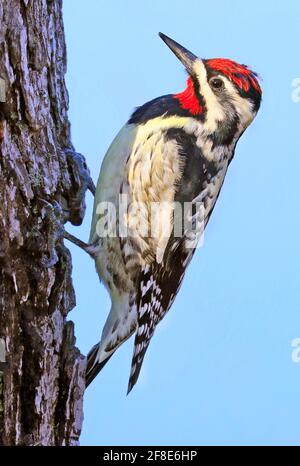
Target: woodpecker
173,149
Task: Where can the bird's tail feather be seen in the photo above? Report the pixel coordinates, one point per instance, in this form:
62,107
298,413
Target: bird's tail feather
137,361
93,367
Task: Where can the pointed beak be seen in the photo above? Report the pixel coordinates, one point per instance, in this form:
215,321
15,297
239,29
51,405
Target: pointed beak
185,56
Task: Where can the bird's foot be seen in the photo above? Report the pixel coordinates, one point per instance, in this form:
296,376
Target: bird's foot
74,199
88,248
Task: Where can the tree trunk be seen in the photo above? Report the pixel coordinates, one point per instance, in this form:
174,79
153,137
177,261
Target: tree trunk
42,185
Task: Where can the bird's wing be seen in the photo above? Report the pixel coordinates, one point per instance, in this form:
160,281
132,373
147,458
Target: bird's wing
112,173
198,183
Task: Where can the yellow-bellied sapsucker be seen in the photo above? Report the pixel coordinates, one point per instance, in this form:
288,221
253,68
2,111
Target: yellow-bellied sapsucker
174,149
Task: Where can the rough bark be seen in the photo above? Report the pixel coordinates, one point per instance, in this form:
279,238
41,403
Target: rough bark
42,185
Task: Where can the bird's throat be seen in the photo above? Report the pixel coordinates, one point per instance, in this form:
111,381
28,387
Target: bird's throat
189,100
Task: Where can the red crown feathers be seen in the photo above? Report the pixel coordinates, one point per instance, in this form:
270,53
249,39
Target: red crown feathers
241,75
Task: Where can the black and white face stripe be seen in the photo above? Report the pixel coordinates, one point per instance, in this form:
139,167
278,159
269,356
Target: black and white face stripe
252,94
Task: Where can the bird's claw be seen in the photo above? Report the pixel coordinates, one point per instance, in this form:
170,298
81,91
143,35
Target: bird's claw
81,182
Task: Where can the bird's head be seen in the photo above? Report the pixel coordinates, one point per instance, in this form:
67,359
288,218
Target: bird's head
219,90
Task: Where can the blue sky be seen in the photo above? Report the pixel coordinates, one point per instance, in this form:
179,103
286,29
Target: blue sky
219,369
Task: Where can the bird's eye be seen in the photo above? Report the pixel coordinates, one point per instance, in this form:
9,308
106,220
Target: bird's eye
216,83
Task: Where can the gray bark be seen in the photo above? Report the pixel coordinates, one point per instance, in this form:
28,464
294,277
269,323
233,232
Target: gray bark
42,185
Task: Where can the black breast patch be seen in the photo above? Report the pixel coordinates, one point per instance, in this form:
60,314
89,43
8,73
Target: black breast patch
197,169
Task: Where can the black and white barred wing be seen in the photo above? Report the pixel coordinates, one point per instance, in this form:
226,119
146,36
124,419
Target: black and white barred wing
159,285
152,308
